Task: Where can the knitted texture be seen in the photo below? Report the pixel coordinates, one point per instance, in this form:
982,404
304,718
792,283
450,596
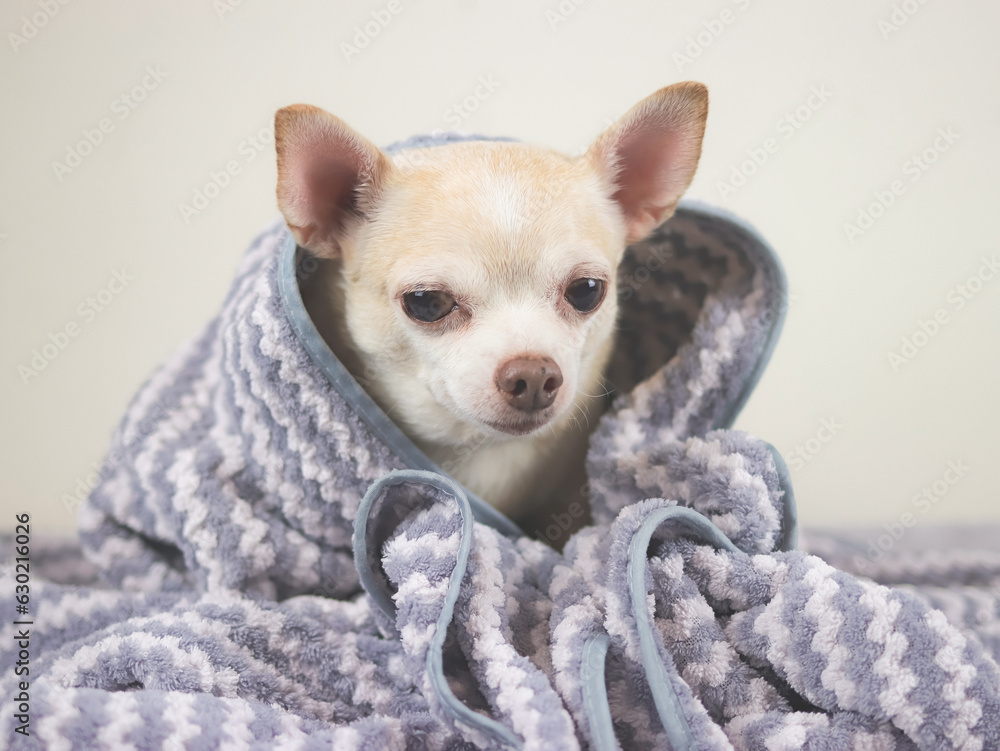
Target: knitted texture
279,571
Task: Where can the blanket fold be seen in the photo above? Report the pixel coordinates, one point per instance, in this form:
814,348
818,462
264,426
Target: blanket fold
702,644
281,568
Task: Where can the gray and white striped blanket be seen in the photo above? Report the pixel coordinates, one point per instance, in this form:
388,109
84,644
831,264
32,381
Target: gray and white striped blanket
281,568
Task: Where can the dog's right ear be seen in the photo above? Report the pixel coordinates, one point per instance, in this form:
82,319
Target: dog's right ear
329,177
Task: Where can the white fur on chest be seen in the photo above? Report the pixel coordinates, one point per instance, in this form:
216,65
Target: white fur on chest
513,475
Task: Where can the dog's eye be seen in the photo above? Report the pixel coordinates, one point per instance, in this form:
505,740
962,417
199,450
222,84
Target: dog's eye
585,294
428,306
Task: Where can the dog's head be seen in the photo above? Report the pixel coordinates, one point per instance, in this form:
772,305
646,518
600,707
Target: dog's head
479,277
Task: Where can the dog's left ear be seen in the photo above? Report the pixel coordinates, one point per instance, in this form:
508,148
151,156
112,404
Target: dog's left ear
329,177
650,155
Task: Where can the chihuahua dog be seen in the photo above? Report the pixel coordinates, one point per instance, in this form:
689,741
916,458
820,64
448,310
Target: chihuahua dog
471,286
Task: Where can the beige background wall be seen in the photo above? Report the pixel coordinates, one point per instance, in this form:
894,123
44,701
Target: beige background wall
833,100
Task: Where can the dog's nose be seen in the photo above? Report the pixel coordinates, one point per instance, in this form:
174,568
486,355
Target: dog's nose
530,384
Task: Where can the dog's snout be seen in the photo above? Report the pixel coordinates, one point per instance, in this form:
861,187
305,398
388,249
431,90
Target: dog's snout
529,384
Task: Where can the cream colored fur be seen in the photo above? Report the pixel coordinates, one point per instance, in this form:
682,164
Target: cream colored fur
503,228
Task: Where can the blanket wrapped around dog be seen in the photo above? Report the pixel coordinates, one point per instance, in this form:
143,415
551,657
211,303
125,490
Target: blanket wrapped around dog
281,568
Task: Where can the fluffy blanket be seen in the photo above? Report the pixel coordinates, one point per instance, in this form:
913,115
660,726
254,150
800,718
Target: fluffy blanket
282,568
